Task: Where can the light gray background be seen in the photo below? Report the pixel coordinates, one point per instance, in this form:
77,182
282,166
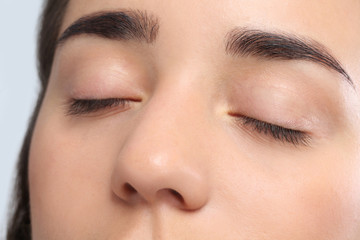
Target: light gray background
18,87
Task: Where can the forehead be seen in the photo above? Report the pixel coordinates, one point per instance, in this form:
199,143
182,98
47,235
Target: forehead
321,17
333,23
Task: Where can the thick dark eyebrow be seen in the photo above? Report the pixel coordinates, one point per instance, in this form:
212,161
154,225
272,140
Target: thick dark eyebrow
118,25
141,26
251,42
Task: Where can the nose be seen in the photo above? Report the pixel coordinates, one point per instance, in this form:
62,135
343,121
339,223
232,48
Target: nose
160,162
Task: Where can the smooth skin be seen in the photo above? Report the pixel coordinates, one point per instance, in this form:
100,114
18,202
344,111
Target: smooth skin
177,163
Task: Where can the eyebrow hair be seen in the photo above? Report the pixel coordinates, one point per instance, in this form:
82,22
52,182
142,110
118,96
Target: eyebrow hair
119,25
251,42
243,42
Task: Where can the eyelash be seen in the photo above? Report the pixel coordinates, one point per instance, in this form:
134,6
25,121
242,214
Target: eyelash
295,137
279,133
86,106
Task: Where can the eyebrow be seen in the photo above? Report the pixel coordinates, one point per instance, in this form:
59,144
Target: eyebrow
119,25
240,42
245,42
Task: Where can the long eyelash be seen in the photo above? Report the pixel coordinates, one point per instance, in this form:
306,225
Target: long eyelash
84,106
282,134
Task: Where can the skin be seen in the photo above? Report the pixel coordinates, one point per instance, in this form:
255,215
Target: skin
232,182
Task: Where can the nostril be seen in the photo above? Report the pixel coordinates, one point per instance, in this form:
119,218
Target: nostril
177,195
129,189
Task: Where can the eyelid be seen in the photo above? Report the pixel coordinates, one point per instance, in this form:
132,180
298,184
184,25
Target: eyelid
87,106
277,132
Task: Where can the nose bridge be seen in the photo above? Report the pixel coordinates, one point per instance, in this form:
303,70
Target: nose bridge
159,159
170,122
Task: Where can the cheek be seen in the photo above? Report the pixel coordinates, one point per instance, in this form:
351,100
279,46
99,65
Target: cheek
317,197
327,207
69,178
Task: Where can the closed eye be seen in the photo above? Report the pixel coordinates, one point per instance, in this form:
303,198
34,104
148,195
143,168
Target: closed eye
86,106
279,133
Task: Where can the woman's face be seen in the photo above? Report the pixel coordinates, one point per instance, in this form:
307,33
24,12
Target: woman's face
191,119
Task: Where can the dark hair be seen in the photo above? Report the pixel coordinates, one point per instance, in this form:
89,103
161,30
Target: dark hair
19,224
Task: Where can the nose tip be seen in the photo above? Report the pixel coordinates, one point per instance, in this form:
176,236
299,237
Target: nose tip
179,186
